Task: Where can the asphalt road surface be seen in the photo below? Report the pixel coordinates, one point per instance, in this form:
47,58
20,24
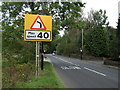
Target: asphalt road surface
84,74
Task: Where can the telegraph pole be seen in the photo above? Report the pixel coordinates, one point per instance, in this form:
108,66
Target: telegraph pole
82,39
118,30
82,47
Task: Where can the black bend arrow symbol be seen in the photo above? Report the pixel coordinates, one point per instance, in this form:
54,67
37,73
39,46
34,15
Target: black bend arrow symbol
40,24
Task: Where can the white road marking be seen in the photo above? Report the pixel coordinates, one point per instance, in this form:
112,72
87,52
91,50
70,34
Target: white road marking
70,67
64,67
76,66
94,71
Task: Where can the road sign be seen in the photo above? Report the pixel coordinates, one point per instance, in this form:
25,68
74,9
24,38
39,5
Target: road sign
38,24
33,22
37,28
37,35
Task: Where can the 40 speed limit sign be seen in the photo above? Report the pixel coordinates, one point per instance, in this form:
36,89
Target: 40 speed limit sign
37,28
37,35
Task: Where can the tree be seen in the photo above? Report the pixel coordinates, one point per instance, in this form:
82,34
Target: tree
96,38
96,42
12,25
70,16
67,14
118,37
112,42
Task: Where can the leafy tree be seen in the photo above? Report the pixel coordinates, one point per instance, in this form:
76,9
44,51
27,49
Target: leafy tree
96,38
118,37
68,15
112,42
13,24
96,18
69,43
96,42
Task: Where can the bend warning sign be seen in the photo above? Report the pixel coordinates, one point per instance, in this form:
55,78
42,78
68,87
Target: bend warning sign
37,27
38,24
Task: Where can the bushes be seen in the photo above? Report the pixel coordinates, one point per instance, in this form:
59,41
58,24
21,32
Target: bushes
18,61
13,73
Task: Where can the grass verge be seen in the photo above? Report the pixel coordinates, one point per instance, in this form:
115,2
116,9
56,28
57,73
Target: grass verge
47,79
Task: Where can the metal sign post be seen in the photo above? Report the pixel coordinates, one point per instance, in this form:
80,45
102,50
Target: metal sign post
42,57
37,58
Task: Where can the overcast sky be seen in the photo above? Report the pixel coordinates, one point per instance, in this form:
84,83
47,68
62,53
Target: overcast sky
111,7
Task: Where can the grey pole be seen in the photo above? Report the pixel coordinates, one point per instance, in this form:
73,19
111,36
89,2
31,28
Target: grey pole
36,59
82,46
82,38
42,58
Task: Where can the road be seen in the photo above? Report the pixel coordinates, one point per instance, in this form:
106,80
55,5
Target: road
84,74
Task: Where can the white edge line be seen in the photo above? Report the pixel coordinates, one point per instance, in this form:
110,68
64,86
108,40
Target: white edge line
94,71
67,61
76,66
64,60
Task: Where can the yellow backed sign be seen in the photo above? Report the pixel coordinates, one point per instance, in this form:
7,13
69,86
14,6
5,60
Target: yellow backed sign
37,28
32,22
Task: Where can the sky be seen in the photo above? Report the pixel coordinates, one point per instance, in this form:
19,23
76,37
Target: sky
111,7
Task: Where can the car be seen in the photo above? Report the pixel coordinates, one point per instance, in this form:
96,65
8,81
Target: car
53,54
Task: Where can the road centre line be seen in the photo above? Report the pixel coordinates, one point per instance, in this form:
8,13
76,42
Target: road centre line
94,71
